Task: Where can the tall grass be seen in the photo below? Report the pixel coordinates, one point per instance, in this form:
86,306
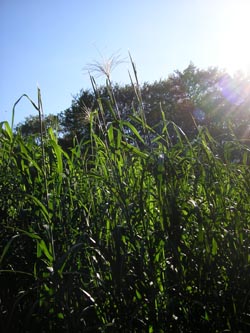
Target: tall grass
124,234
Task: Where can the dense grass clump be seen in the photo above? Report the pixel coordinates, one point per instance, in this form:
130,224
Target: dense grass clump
131,231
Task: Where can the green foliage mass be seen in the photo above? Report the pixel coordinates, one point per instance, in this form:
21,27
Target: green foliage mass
138,228
190,98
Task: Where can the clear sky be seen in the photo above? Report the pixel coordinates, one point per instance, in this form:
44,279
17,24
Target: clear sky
49,42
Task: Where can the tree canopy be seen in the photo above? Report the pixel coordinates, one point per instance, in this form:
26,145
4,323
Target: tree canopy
188,98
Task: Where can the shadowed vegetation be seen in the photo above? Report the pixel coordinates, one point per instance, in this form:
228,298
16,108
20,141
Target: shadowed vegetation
139,227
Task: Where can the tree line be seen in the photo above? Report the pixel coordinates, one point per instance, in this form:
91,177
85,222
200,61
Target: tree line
189,98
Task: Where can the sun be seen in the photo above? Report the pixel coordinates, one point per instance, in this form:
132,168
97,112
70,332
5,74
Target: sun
235,36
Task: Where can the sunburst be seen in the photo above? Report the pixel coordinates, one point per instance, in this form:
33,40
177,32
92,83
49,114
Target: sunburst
235,36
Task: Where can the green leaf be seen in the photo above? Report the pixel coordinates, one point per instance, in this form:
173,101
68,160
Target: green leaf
60,315
201,234
133,149
138,295
27,233
58,152
8,130
206,316
111,133
44,210
7,246
133,129
214,247
45,250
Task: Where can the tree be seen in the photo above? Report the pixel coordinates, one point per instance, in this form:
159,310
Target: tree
32,125
188,98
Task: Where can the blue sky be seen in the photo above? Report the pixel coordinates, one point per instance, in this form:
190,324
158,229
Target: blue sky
49,42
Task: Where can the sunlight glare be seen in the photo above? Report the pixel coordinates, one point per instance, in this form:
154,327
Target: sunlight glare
234,37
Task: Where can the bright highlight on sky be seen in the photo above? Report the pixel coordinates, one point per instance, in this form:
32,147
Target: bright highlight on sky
234,33
49,42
